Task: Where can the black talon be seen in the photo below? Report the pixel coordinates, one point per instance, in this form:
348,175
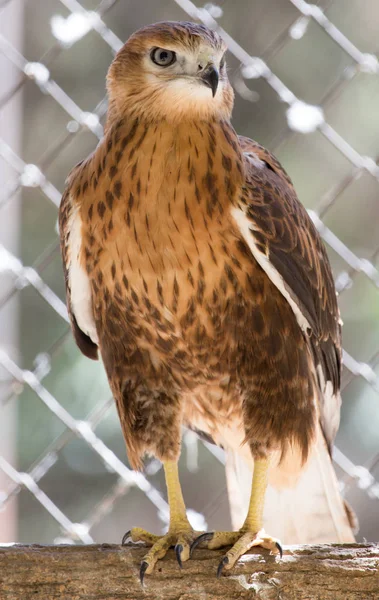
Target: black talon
225,561
142,570
280,548
204,537
125,537
178,551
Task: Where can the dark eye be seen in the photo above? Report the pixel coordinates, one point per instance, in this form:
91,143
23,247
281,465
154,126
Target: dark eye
222,61
162,57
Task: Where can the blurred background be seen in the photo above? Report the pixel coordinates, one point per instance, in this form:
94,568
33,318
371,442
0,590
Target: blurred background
307,87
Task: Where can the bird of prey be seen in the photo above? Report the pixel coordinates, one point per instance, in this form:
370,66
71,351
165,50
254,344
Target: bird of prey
194,270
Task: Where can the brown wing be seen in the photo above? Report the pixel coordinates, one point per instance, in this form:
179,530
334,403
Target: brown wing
288,244
67,216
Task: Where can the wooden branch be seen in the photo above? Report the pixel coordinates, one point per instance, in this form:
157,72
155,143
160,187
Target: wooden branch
109,572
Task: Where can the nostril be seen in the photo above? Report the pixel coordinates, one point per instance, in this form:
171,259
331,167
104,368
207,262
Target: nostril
200,67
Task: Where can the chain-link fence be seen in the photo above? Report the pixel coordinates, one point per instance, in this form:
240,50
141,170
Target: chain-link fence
307,86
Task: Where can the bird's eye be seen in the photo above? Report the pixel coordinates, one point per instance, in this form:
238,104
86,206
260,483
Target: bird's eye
162,57
222,61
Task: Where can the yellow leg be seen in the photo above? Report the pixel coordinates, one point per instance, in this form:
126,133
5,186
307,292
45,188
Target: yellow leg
178,515
254,518
252,532
180,533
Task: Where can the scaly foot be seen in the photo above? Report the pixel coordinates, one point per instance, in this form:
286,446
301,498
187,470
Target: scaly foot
241,541
180,539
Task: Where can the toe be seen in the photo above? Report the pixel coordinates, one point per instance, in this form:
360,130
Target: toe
137,534
245,542
266,541
221,539
216,539
242,545
183,547
158,551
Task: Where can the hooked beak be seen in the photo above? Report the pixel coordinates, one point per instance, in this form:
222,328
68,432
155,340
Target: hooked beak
210,78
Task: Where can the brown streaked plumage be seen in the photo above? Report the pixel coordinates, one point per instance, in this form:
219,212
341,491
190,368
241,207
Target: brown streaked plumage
193,268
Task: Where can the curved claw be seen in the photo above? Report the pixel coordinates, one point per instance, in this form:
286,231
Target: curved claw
125,537
142,570
280,548
204,537
225,561
178,552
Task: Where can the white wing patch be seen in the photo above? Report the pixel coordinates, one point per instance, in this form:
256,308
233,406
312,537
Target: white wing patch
332,402
247,230
80,297
254,159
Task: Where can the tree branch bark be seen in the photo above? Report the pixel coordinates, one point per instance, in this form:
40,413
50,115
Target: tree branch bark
110,572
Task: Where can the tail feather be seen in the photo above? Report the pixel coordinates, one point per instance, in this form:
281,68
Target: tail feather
310,511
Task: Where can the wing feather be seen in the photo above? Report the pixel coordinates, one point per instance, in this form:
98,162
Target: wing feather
78,291
286,244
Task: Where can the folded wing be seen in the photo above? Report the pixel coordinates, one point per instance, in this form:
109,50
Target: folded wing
78,289
284,241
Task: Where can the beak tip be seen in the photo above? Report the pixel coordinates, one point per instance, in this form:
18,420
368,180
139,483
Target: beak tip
211,78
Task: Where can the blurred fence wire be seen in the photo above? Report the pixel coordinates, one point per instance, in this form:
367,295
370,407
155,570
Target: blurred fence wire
302,118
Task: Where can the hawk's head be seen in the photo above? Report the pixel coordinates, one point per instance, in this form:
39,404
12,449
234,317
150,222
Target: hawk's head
172,70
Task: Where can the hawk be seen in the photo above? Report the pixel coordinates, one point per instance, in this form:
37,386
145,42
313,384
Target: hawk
195,272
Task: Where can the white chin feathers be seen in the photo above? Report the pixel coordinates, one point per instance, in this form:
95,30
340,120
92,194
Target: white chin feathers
181,96
190,87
